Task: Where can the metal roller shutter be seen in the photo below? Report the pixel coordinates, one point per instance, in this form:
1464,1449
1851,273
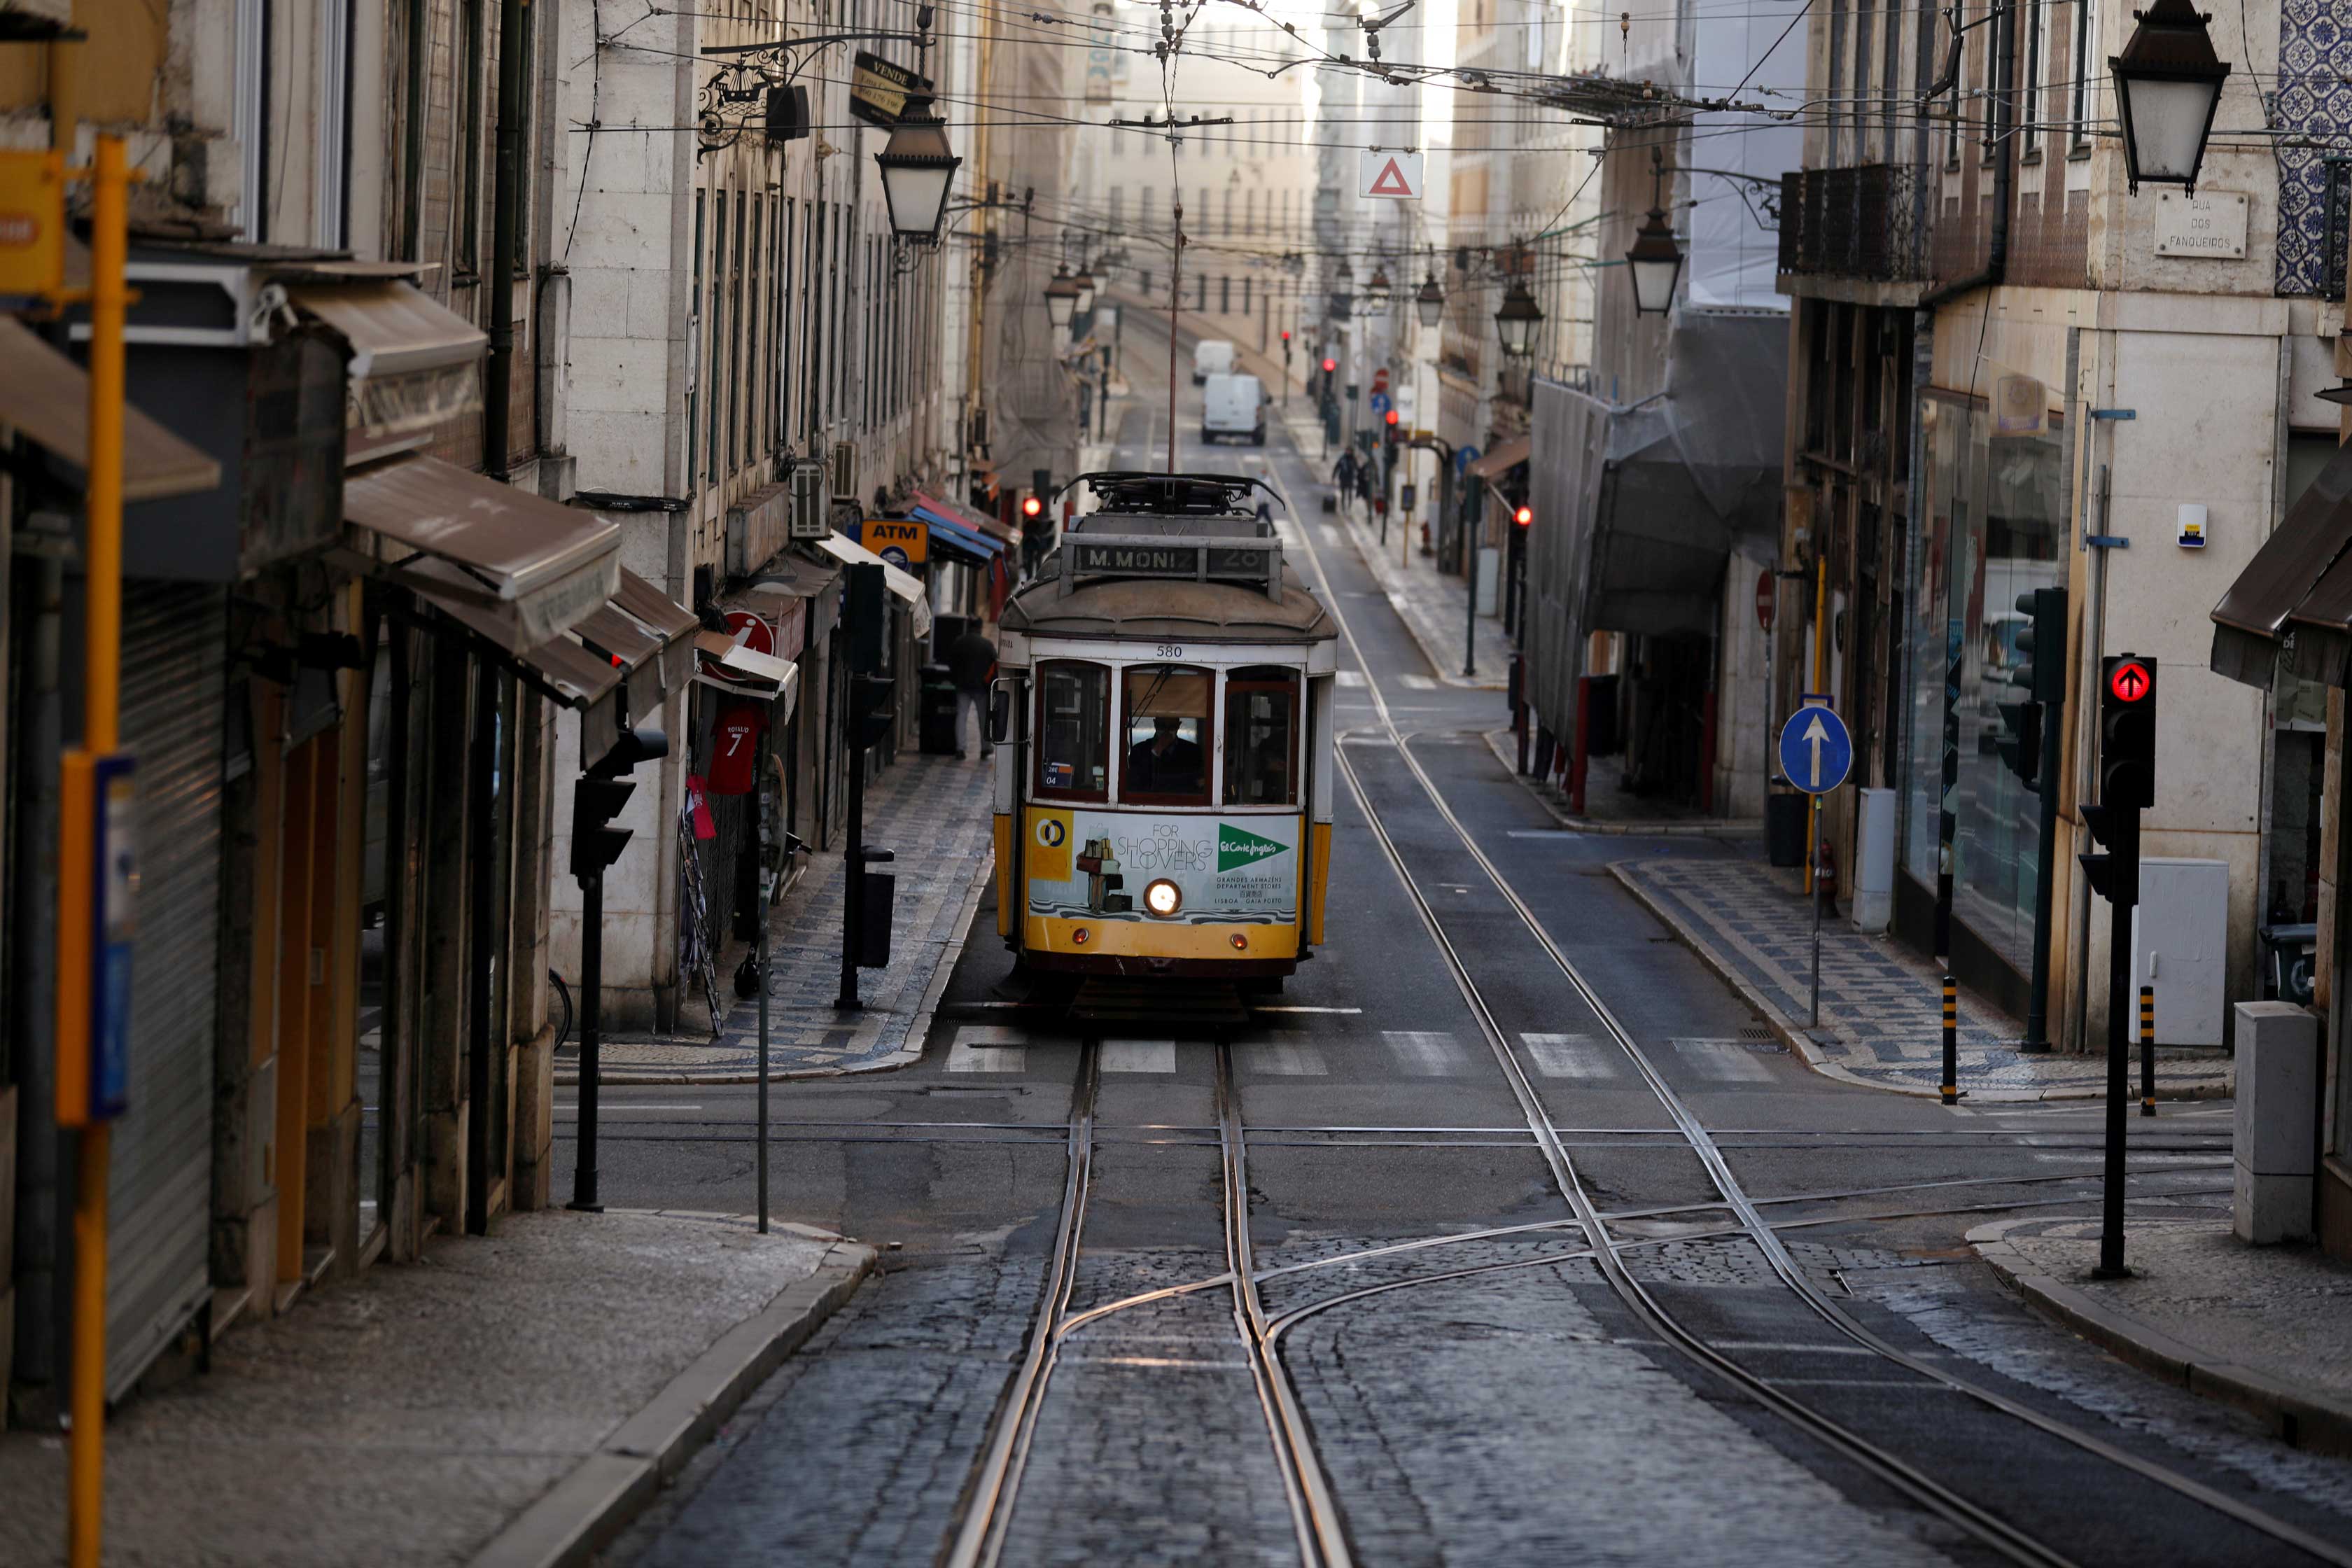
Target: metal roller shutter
174,700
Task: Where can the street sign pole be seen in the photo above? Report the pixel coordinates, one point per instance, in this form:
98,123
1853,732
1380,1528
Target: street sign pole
760,895
1816,753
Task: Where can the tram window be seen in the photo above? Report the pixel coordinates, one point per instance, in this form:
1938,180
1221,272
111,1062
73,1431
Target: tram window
1262,737
1167,720
1074,731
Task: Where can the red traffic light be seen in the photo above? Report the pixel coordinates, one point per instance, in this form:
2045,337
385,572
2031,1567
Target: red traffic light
1391,417
1030,506
1329,365
2130,681
1285,334
1524,516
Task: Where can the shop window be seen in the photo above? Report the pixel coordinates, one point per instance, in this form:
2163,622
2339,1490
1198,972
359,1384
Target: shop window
1996,526
1166,737
1073,732
1262,737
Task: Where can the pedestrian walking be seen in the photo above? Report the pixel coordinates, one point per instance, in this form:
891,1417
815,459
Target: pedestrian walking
971,663
1343,478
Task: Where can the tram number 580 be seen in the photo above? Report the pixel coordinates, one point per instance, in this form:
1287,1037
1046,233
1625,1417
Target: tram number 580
1168,650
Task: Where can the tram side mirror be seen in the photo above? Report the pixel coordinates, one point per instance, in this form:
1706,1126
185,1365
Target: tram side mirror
999,715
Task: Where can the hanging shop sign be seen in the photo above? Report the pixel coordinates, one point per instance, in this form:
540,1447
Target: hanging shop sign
878,89
899,540
32,222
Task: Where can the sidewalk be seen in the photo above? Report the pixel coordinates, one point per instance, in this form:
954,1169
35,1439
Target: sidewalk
1882,1007
1611,809
934,813
1431,603
511,1400
2268,1328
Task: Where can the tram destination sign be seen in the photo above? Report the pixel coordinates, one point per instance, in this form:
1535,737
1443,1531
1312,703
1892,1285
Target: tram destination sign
1260,565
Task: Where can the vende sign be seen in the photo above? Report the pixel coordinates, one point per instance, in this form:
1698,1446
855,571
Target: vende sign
1393,176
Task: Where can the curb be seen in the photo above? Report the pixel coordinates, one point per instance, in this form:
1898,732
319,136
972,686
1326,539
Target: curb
1800,1041
582,1513
905,1056
2295,1418
1678,827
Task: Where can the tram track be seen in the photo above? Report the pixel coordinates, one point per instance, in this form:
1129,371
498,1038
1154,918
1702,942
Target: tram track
1645,1304
994,1492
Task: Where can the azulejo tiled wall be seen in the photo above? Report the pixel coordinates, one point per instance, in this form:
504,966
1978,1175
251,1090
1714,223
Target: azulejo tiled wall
2314,93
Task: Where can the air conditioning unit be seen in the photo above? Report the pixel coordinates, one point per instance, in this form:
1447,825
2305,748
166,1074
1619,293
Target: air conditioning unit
844,469
809,519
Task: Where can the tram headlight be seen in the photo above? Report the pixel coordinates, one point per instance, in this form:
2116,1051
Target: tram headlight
1163,897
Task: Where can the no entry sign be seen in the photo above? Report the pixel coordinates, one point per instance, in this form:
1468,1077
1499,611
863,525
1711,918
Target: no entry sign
1765,599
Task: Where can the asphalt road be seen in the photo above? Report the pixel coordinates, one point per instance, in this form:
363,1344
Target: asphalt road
1519,1409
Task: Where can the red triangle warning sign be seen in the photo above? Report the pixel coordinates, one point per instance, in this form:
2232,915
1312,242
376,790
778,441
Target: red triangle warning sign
1389,181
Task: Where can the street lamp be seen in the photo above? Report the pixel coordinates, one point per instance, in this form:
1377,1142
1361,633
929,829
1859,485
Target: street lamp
1084,284
918,169
2168,85
1380,287
1655,262
1515,321
1429,301
1061,298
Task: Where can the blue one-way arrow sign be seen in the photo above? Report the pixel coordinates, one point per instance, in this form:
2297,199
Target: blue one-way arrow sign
1816,751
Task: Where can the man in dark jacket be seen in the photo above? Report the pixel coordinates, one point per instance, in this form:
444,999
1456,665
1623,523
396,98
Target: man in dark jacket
972,662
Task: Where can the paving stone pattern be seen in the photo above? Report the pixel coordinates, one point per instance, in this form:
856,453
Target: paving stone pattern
934,813
1881,1008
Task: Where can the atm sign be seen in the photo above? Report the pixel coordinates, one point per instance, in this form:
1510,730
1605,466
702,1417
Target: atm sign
897,541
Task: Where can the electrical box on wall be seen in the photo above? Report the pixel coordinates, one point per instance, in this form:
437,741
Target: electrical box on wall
2180,946
2192,525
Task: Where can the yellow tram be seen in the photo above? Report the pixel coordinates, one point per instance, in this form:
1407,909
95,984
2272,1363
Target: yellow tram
1163,793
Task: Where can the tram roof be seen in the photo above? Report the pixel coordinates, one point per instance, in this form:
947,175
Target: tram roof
1152,609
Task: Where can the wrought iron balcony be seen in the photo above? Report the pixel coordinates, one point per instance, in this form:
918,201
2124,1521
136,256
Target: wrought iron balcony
1866,222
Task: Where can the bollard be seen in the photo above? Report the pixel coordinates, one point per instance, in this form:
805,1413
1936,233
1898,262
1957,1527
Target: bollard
2147,1050
1951,1042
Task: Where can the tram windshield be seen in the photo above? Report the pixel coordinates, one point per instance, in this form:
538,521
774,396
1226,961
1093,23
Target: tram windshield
1262,737
1167,720
1074,731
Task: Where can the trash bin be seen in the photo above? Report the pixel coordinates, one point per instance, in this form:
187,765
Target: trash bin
1784,826
939,712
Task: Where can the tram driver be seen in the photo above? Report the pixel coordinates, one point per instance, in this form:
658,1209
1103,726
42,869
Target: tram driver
1165,762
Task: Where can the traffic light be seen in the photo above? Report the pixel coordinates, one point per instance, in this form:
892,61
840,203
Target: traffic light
595,842
598,795
2126,732
2044,610
1031,507
873,703
1286,340
1330,366
1522,516
868,617
2020,740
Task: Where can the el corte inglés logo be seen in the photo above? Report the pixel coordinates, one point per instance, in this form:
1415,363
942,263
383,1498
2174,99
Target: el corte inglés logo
1237,847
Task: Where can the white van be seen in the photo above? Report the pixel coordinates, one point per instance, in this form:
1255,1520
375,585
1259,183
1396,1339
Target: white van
1233,405
1212,356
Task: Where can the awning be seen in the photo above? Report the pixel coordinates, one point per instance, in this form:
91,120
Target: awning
965,517
541,564
46,395
744,671
957,540
412,362
2278,585
849,553
1502,459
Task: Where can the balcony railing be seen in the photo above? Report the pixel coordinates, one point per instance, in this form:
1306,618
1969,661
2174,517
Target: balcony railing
1865,223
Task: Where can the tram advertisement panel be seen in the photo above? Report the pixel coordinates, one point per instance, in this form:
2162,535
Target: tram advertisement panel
1226,868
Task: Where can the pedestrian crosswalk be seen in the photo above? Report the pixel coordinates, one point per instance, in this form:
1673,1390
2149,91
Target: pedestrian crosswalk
1579,1058
1724,1061
988,1047
1138,1056
1571,1056
1350,677
1417,682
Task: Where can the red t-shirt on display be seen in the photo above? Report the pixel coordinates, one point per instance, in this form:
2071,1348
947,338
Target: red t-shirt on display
735,748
